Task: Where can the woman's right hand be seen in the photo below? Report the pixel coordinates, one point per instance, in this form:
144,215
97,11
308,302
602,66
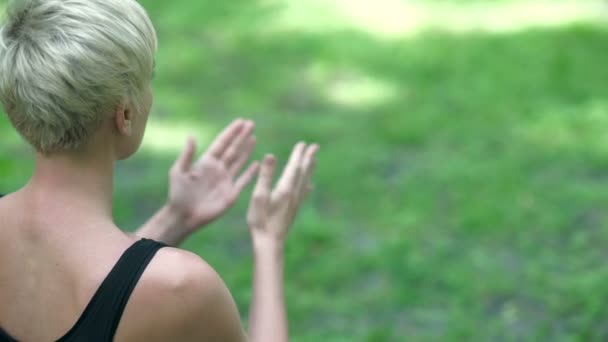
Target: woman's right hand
273,210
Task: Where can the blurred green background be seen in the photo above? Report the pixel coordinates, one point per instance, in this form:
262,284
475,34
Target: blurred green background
462,183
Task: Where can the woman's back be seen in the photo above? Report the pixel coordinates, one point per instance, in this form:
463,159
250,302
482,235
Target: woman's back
51,271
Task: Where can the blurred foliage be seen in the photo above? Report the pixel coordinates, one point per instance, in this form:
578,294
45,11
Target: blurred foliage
461,183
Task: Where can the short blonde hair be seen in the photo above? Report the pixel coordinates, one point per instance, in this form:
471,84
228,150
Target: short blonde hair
66,64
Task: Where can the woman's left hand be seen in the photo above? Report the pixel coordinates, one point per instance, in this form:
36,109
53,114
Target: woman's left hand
202,191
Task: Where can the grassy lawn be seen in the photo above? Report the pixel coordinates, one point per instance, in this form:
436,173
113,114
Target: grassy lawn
461,185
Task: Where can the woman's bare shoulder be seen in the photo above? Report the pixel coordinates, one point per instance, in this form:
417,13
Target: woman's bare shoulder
178,293
175,270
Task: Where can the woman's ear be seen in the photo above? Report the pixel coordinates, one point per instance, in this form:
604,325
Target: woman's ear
123,120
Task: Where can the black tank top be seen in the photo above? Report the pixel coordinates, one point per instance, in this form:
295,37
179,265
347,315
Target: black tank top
100,319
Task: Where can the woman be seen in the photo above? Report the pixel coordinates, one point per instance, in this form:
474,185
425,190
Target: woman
75,83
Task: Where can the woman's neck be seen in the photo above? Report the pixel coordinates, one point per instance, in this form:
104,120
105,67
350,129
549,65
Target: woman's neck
73,186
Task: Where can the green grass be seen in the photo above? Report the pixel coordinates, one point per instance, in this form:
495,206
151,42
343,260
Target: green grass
461,186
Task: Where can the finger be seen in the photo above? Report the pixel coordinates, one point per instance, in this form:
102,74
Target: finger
224,139
309,162
307,167
290,176
184,161
246,177
243,157
261,193
235,150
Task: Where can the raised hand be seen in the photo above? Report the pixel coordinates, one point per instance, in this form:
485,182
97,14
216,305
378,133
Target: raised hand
202,191
272,211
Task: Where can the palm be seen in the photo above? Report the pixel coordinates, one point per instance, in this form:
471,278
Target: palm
220,194
203,191
272,211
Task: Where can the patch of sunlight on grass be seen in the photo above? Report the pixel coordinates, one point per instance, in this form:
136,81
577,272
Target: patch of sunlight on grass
397,18
581,127
358,90
349,88
170,137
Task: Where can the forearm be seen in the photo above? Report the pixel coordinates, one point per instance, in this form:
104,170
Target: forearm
165,226
267,317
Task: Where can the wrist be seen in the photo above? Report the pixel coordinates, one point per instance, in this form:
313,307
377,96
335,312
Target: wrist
267,244
167,226
180,219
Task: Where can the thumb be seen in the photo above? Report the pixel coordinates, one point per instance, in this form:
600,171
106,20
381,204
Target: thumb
184,161
261,193
264,184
